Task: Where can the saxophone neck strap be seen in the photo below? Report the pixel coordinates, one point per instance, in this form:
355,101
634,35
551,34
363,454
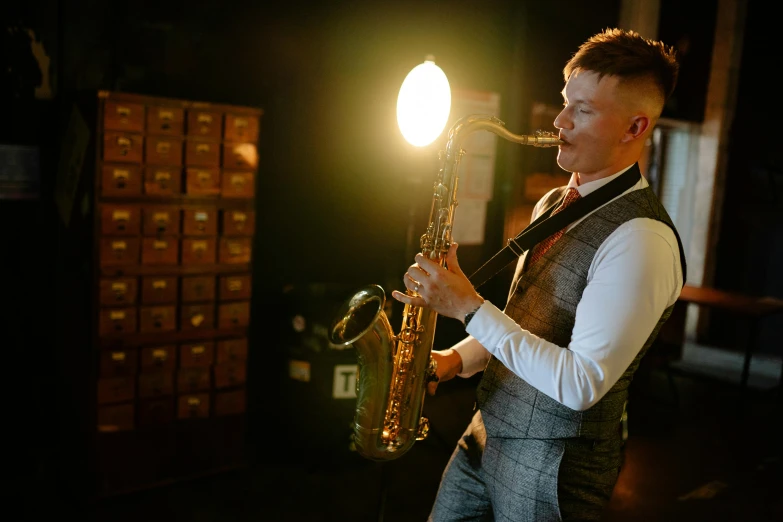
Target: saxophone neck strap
547,224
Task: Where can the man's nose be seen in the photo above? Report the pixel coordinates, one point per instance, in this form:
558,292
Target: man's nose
562,121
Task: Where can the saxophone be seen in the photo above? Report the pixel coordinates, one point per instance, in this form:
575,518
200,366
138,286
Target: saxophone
395,369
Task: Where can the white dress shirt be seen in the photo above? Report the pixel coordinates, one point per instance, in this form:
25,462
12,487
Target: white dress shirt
634,276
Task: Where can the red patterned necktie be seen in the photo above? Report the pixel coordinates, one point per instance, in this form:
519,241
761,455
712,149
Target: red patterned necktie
540,249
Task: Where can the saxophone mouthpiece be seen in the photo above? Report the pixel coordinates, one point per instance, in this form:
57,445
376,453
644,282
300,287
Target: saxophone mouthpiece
546,139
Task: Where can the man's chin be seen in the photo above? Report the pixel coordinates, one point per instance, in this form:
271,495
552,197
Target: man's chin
564,162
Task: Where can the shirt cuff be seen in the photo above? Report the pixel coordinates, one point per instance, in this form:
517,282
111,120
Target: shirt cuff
490,325
474,355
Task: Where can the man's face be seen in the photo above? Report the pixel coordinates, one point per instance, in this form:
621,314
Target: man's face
592,124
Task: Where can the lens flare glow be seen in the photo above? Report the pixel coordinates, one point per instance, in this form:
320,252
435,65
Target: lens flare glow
423,104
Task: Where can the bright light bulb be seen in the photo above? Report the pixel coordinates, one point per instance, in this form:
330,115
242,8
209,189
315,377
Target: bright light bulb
423,104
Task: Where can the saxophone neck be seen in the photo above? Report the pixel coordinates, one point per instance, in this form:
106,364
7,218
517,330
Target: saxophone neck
477,122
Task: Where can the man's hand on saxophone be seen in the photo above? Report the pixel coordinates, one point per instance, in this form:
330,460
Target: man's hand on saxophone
449,365
449,292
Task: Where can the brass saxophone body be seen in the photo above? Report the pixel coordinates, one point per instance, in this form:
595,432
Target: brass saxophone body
395,369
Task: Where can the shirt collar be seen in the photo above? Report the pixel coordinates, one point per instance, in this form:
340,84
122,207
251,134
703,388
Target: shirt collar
586,188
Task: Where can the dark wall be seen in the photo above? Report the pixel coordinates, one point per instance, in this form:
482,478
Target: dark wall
690,28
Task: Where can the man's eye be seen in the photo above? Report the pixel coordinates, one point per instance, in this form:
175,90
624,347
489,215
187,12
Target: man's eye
583,111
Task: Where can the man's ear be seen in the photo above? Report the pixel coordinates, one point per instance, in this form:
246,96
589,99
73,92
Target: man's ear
639,125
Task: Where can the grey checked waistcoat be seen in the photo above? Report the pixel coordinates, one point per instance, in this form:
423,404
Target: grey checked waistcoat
536,447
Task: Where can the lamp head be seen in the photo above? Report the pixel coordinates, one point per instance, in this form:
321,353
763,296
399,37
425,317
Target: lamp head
424,103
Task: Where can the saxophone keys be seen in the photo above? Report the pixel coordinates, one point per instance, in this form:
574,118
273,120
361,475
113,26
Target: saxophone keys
423,429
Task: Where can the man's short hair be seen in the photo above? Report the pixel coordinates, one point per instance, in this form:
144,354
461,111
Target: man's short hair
629,56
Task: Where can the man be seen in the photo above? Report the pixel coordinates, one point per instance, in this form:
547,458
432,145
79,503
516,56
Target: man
584,307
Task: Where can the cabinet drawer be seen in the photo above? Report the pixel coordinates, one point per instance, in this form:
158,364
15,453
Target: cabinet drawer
157,319
198,251
119,251
156,384
117,321
202,182
119,363
163,150
197,289
123,116
118,291
204,123
232,315
162,181
165,121
116,389
121,180
193,406
234,250
120,220
241,127
240,156
230,402
234,288
197,355
231,351
160,251
197,317
161,358
118,417
156,412
202,153
191,380
123,147
237,184
159,290
199,222
160,221
229,375
238,222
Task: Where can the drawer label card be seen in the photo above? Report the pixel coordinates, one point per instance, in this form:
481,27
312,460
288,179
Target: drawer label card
344,383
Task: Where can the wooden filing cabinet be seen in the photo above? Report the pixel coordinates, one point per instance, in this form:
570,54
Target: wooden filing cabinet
172,191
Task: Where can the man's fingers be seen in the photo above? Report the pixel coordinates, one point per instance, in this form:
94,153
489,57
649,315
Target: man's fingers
451,259
425,263
431,387
404,298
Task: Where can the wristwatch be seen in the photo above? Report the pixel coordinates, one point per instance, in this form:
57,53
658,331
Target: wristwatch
470,314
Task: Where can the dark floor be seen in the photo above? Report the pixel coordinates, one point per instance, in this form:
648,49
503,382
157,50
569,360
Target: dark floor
707,459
